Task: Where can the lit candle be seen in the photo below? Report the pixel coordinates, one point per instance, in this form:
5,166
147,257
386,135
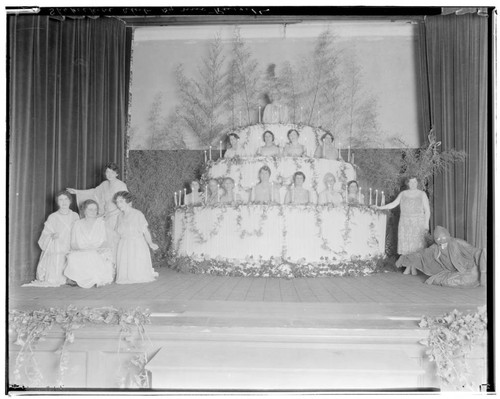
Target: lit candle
348,153
272,191
352,158
376,197
370,201
205,156
180,197
206,194
339,150
382,201
359,195
252,195
240,118
323,148
210,152
259,114
185,202
218,192
293,192
220,149
175,198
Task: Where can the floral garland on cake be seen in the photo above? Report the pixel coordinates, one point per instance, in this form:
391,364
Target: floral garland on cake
277,267
31,327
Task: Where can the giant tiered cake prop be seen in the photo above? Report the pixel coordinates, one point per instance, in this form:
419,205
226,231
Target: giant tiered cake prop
276,239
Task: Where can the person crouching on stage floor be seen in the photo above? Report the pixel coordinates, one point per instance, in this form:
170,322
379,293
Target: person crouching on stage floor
133,260
55,244
229,196
265,191
293,148
353,195
232,151
330,195
450,262
326,149
213,192
269,149
194,197
297,194
90,261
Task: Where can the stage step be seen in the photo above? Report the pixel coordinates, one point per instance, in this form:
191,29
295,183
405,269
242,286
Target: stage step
278,366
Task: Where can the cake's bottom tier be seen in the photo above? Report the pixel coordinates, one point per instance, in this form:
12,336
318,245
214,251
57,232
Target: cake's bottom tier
293,233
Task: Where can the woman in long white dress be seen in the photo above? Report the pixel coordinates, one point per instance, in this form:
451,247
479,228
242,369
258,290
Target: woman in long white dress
294,148
90,261
133,259
103,195
55,244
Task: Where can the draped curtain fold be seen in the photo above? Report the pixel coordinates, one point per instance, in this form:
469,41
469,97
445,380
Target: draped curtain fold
67,118
457,61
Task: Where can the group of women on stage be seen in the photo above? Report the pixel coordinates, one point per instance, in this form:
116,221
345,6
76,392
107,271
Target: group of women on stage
110,242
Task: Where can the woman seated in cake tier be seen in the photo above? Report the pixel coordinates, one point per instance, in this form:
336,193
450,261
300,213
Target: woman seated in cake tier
297,194
269,149
326,149
293,148
354,195
90,262
195,197
332,193
229,196
232,151
265,191
212,192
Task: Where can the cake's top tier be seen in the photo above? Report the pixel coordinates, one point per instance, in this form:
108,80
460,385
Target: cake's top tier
251,137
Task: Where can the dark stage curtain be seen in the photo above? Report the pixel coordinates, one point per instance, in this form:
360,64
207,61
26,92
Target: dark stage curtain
457,61
67,116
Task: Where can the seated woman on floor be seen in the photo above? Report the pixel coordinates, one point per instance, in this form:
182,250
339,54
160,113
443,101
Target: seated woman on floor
326,149
331,195
212,192
194,197
353,195
450,262
229,196
55,244
297,194
293,148
269,149
264,191
90,261
232,151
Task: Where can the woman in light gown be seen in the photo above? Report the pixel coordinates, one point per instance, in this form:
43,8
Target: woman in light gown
55,244
90,262
293,148
331,195
103,195
326,149
265,191
195,197
133,259
212,192
297,194
229,196
353,195
269,149
414,218
233,150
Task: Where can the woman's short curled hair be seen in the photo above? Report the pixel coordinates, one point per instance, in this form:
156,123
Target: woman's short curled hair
230,179
327,175
264,135
85,204
66,193
266,168
233,135
290,131
113,166
410,177
351,182
125,195
327,134
299,173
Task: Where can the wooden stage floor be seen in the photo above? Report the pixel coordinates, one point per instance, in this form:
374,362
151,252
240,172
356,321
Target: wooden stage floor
259,302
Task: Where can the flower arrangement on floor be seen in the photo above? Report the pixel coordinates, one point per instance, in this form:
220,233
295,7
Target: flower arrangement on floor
450,340
32,326
276,267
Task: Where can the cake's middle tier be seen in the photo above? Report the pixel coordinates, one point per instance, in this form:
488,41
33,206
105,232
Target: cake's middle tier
245,171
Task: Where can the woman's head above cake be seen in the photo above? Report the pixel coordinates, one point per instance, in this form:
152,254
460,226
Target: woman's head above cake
293,135
299,178
268,137
327,138
264,174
